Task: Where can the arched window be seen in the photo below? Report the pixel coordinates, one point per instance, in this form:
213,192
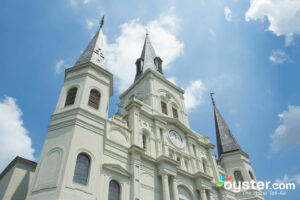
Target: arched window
144,142
238,177
164,107
114,190
94,99
186,163
175,112
207,193
70,100
82,168
251,175
158,63
178,160
205,166
139,65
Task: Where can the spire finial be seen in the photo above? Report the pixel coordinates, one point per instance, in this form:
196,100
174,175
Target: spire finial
212,98
102,22
147,31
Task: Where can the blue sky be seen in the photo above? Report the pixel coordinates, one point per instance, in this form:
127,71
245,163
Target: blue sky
246,52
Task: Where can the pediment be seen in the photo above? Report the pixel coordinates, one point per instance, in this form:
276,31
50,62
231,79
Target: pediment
117,169
177,124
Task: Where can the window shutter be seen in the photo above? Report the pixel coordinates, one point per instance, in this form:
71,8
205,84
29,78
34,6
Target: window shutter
70,100
94,99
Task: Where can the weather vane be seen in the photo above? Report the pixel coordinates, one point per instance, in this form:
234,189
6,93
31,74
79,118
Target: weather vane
212,98
102,22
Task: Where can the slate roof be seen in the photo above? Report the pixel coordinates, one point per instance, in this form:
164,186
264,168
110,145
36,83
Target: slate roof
148,55
94,52
226,142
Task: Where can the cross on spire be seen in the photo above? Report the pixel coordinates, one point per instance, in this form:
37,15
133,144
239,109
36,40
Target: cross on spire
212,98
102,22
94,51
225,139
147,31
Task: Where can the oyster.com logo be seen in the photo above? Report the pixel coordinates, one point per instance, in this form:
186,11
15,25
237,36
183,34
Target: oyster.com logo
223,180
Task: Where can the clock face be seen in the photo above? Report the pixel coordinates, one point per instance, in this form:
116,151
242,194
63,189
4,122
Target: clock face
175,137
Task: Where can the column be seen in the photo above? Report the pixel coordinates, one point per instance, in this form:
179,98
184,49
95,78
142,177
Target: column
211,196
175,188
203,194
135,178
214,164
165,183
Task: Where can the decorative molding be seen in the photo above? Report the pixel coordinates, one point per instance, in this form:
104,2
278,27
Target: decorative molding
117,169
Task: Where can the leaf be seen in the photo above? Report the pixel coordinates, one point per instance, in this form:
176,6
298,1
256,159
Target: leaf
222,177
220,184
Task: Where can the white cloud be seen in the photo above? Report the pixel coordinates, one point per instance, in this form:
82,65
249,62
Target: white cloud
122,54
278,56
60,65
76,2
14,139
212,32
193,95
73,2
287,134
283,16
228,14
287,179
219,83
90,24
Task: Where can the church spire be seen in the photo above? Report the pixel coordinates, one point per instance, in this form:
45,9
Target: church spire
148,59
94,51
225,140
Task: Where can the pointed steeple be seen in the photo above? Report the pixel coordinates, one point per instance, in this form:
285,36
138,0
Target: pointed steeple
94,52
225,140
148,59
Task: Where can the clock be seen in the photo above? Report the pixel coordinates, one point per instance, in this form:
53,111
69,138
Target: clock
175,137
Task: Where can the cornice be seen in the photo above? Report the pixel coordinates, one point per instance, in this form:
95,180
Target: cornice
94,66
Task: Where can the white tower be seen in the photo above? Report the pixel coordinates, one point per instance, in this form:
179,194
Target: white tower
69,161
231,157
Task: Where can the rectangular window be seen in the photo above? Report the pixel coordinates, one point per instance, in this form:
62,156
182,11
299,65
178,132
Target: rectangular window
144,142
175,113
164,108
161,134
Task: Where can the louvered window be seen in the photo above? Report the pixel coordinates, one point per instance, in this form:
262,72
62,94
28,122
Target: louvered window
164,108
82,169
114,190
238,177
251,175
94,99
70,100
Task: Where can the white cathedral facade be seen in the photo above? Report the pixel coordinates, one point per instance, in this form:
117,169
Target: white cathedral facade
146,151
